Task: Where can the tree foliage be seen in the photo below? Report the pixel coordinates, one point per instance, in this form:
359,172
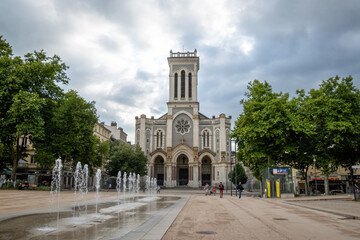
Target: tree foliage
69,134
27,85
126,158
239,173
261,129
323,125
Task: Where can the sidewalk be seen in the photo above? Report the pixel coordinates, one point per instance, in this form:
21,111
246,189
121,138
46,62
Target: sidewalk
342,205
209,217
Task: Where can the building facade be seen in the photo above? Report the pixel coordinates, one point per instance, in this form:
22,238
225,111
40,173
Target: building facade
184,147
117,133
102,132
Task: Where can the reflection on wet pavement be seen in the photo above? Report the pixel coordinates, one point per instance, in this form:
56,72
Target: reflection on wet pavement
115,219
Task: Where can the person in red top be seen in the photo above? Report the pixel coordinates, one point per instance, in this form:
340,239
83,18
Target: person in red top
221,188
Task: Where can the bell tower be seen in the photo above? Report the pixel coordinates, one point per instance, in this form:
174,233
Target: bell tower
183,69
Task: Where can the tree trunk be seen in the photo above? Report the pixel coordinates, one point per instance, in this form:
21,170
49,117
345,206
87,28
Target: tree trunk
306,182
14,169
15,155
352,181
326,184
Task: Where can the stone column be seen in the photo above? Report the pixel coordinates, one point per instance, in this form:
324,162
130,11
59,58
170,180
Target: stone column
222,138
196,131
142,140
169,123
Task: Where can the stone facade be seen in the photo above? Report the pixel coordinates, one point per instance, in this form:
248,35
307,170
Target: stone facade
101,132
117,133
184,147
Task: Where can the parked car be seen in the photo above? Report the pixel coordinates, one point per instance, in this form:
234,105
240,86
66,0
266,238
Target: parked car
334,192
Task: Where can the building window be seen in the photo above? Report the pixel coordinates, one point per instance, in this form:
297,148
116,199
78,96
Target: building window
32,159
176,86
206,139
159,139
183,84
182,126
24,141
190,86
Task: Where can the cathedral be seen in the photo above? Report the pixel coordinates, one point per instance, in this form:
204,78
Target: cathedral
183,146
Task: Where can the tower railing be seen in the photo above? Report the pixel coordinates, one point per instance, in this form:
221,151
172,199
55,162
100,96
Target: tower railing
183,54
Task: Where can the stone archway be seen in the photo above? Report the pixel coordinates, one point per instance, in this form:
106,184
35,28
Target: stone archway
206,170
159,170
182,168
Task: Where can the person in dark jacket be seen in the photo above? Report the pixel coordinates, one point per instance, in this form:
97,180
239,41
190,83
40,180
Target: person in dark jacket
221,188
240,188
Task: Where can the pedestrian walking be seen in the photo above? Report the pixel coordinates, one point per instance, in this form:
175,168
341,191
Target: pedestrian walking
206,188
214,191
221,188
240,188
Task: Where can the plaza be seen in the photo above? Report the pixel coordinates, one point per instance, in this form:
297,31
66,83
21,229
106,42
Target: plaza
191,215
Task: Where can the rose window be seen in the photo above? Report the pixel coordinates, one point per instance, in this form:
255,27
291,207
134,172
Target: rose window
182,126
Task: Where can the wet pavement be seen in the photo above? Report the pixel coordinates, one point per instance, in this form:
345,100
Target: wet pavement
139,216
176,214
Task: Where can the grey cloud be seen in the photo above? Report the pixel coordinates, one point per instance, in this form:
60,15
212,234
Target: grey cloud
296,45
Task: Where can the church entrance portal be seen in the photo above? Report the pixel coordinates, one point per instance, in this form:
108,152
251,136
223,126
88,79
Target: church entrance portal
206,171
159,170
183,170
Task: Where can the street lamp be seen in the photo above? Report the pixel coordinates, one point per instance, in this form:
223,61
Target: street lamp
235,167
231,140
315,176
231,168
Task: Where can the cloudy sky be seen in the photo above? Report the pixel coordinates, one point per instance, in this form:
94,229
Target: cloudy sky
117,50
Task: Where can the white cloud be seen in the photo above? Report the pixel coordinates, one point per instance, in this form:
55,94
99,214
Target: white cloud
117,50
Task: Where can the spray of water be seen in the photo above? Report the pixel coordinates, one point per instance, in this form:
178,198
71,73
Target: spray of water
85,184
118,185
77,186
56,185
97,186
138,183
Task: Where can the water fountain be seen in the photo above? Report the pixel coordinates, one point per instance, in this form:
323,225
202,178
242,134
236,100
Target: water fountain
118,185
147,183
78,175
138,183
130,182
101,215
56,186
124,182
84,185
97,187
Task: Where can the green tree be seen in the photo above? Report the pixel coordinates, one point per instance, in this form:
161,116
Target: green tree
69,134
240,175
341,118
27,85
5,158
301,137
126,158
262,128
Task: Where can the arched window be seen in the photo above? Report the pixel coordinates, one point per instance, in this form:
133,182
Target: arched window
190,87
206,139
183,84
159,139
176,86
